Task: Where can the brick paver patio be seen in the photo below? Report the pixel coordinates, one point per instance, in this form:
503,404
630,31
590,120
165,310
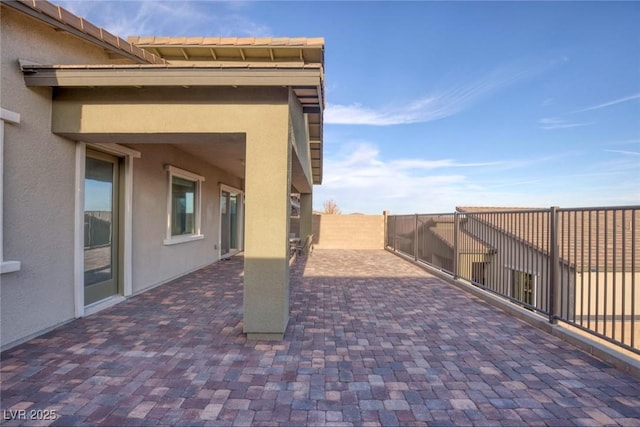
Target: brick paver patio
372,340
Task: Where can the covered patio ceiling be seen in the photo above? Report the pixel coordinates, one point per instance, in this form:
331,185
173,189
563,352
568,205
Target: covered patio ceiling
226,151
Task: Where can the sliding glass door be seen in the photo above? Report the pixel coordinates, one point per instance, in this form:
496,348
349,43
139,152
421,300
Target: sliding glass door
230,221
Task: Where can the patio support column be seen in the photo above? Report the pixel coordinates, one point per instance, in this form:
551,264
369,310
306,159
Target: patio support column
306,215
266,262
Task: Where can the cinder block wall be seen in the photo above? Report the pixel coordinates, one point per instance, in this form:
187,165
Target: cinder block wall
348,231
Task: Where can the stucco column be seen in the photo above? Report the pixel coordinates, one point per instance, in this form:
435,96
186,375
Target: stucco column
306,215
266,257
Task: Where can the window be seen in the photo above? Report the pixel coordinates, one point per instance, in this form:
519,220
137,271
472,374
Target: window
478,272
183,206
11,118
523,287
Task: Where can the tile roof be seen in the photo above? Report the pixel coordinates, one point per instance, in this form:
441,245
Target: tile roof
590,239
63,19
229,41
234,50
468,243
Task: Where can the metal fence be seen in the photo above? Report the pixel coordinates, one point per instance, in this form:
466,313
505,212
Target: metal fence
580,266
97,229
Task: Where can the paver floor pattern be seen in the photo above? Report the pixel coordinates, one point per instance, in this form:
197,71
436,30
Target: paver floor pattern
372,340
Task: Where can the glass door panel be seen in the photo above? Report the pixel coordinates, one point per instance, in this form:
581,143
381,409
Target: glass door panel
100,227
233,221
225,219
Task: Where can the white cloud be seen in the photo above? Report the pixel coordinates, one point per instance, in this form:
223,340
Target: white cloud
625,152
550,123
437,164
627,142
360,180
611,103
159,18
438,105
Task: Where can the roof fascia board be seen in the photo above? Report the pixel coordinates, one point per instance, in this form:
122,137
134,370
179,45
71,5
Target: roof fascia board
55,77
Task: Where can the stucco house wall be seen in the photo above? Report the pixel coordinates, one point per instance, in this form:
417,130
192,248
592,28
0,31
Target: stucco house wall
39,193
512,254
153,261
38,182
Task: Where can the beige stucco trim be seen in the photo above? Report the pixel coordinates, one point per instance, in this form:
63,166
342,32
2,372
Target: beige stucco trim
11,118
116,149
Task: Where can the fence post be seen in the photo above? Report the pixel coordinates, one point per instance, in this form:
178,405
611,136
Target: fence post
456,246
554,260
395,233
415,238
385,229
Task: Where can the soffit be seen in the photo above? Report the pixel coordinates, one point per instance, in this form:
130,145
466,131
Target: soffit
301,50
225,151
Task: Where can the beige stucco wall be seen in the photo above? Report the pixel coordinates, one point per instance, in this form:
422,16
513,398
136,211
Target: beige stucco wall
38,183
603,298
153,261
348,231
607,293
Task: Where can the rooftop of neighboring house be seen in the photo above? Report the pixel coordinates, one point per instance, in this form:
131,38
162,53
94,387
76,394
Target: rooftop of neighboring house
589,239
442,226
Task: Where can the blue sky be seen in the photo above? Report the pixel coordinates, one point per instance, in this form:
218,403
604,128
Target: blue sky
432,105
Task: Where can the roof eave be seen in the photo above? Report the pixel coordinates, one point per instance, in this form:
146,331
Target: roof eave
58,76
166,76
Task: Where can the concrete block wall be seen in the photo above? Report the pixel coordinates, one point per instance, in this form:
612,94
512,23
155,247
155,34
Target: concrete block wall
348,231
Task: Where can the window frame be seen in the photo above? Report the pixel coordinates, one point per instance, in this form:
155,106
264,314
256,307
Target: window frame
13,118
173,171
523,276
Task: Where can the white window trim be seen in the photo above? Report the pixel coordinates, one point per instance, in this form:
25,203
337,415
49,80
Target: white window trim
229,189
14,119
127,287
197,235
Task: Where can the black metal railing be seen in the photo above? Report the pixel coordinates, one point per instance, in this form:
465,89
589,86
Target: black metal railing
579,266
